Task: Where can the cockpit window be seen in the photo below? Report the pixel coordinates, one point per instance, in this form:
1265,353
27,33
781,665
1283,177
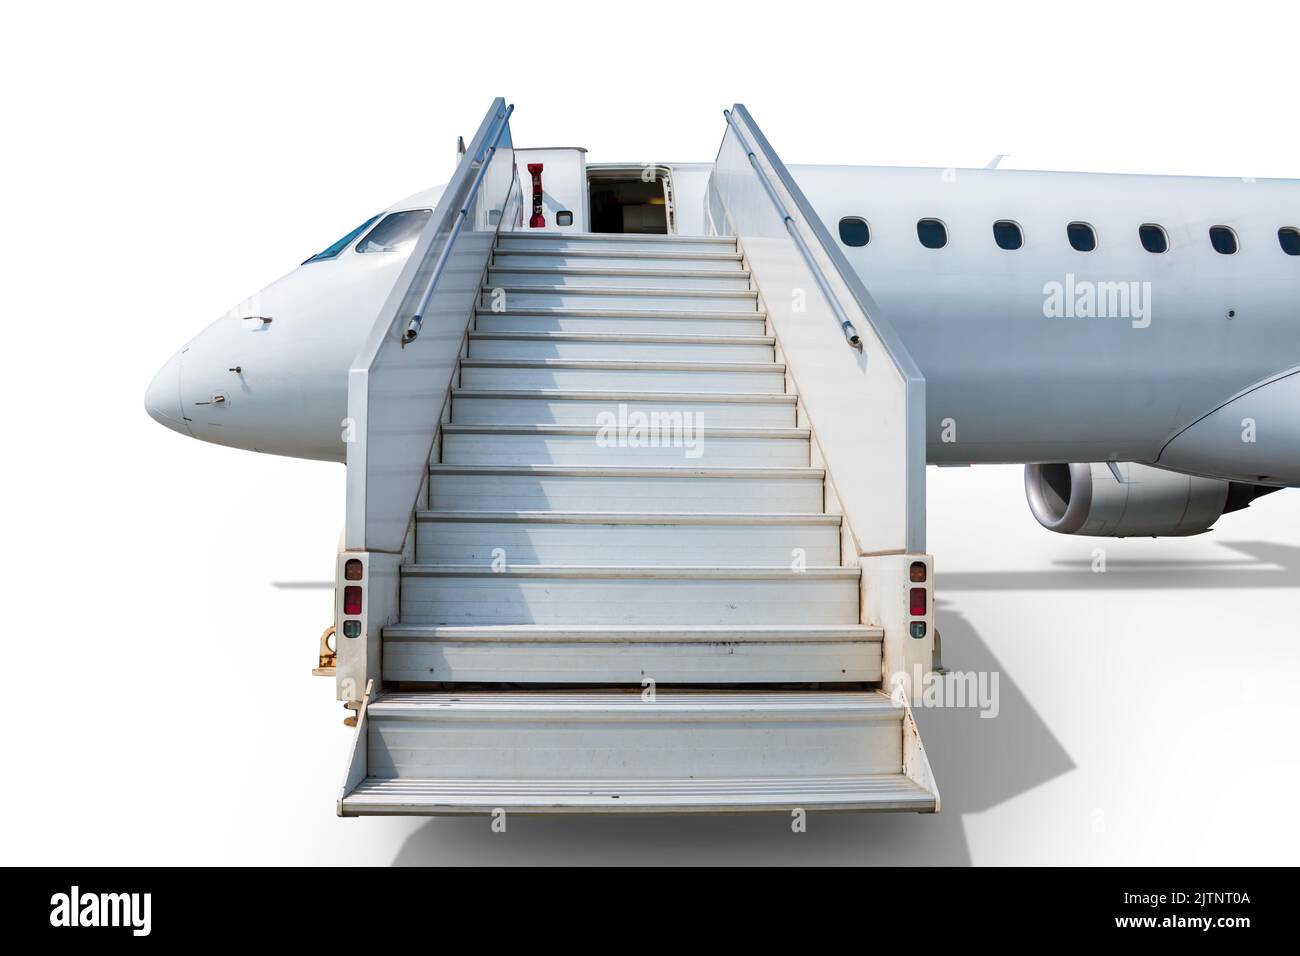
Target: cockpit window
397,232
343,243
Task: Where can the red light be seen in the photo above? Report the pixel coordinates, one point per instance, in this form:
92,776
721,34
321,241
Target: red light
918,602
352,600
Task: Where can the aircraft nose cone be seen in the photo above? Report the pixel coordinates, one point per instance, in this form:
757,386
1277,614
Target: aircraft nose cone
163,399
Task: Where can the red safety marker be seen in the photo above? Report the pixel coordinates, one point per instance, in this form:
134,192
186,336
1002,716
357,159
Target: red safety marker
538,221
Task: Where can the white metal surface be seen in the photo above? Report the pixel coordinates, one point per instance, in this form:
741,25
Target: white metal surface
629,297
447,594
627,540
613,346
555,407
628,654
583,445
612,655
636,376
862,792
601,488
592,242
661,277
620,735
677,261
576,320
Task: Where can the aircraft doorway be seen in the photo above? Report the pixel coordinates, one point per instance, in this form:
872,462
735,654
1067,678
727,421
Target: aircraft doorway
632,199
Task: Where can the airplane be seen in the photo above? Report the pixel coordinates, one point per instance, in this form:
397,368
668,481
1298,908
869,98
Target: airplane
1131,339
640,448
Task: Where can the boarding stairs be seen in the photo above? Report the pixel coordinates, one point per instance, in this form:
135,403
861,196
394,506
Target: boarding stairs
626,587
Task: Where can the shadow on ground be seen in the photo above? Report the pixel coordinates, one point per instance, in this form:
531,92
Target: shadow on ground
1264,564
979,763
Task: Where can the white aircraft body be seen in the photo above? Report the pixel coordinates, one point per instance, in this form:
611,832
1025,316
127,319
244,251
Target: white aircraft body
1185,357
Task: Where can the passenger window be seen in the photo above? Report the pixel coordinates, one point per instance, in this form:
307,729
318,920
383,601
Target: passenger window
932,233
397,231
1154,238
854,231
1289,237
1224,240
1007,234
336,248
1082,236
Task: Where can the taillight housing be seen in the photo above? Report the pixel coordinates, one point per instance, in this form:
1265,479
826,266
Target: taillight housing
917,602
353,569
917,572
352,600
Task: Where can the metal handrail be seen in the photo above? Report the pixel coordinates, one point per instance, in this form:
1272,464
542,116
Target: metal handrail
879,337
485,161
846,324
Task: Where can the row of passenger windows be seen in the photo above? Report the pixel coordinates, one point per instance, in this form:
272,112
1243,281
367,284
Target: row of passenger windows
933,234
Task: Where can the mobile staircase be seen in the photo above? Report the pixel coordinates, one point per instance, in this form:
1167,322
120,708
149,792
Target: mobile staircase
635,523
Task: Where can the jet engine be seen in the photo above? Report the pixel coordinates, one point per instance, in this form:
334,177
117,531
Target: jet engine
1120,500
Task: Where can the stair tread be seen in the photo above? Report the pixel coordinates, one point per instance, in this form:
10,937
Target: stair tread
621,271
616,237
637,632
624,364
858,792
628,337
631,254
631,517
869,702
570,394
623,313
633,471
628,571
452,428
619,290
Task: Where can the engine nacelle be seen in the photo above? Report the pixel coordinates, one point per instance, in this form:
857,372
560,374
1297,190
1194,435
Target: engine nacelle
1088,499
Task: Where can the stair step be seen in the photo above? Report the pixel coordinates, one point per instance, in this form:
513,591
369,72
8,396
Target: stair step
860,792
618,259
613,539
595,445
447,594
550,406
613,346
613,489
564,242
589,297
627,322
644,375
530,653
624,277
680,749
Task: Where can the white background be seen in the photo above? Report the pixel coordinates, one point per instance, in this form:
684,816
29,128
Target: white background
162,598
